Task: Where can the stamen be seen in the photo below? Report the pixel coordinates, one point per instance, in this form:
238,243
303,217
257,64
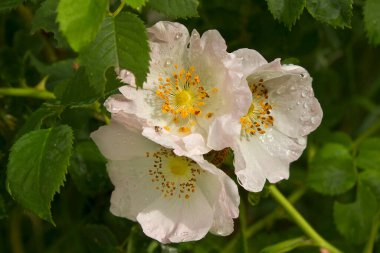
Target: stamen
258,116
182,97
174,175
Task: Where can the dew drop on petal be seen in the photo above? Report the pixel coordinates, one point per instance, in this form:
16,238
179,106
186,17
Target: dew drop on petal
280,90
167,62
292,87
178,36
305,117
314,119
299,102
304,93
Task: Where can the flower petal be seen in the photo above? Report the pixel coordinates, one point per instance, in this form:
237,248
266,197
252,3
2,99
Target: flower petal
296,111
190,145
116,142
177,220
251,60
133,188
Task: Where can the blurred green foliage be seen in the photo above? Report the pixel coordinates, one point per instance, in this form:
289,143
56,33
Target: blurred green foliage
335,184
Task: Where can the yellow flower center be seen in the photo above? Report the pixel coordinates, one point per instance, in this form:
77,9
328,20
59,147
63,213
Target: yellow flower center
178,166
184,98
173,176
258,117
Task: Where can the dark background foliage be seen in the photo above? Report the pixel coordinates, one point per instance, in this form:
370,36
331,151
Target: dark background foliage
47,93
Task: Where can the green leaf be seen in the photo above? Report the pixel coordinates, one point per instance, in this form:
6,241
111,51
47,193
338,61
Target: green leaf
176,8
286,11
36,119
100,239
80,20
37,167
354,220
6,5
287,245
78,90
58,72
332,170
369,154
336,13
88,169
371,178
121,42
136,4
45,19
372,20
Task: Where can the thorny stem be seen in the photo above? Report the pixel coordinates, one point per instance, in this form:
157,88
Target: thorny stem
27,92
300,221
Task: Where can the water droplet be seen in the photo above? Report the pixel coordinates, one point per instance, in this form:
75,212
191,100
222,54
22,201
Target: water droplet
280,90
299,102
178,36
315,119
167,63
303,75
291,107
292,87
304,93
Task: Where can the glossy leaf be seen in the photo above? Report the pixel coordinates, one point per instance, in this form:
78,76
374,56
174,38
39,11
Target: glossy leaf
45,19
369,154
354,220
80,21
371,178
37,168
176,8
121,42
336,13
78,90
332,170
136,4
286,11
88,169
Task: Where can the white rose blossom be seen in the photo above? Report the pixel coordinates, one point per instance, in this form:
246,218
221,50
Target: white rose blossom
273,132
194,87
174,198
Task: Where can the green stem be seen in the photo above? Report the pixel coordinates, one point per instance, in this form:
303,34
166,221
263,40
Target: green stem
300,221
27,92
278,213
118,10
372,237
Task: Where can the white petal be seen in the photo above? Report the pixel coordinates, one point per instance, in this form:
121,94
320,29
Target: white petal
249,167
251,60
296,111
227,207
266,157
133,188
117,142
177,220
189,145
223,131
141,103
